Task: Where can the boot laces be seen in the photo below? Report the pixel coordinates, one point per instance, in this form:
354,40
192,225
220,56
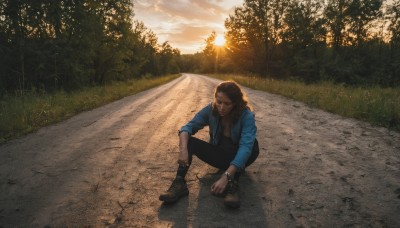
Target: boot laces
233,188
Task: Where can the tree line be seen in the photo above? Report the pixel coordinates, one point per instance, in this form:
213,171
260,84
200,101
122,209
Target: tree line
345,41
68,44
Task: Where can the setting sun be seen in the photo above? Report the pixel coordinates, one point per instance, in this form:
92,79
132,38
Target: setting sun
219,40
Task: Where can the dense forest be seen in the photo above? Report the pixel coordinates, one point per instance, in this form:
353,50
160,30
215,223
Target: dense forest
355,42
47,45
67,44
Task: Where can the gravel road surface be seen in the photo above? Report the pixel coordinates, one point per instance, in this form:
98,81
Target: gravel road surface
107,167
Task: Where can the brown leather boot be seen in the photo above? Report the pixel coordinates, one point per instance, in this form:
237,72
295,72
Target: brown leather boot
177,189
231,199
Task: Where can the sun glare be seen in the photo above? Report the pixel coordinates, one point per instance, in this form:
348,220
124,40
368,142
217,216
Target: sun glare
219,40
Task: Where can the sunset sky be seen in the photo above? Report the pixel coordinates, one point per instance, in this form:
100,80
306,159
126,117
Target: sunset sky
184,23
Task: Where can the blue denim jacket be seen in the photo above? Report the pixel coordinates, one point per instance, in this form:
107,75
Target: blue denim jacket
243,132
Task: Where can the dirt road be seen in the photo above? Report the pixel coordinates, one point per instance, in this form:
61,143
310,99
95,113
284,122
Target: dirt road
106,168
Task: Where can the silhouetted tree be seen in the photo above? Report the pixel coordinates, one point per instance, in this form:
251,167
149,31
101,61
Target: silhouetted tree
69,44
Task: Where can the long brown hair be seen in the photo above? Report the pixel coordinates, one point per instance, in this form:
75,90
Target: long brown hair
236,95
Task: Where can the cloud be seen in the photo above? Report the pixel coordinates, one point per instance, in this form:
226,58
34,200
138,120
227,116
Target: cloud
190,38
183,23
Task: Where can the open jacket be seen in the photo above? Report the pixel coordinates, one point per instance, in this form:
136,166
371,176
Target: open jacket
243,132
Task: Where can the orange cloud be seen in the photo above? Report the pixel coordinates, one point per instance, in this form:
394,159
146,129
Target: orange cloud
184,24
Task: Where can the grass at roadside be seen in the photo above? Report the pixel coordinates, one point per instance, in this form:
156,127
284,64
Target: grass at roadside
21,115
379,106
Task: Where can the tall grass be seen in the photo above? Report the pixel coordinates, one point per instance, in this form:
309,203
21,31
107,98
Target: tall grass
21,115
379,106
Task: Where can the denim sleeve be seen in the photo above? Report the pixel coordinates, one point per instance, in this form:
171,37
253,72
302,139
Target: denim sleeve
198,122
246,142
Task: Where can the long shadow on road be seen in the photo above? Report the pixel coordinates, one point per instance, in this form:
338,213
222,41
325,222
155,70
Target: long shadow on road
209,211
175,214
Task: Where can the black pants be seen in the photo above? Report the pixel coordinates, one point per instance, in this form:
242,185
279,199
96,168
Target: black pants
217,156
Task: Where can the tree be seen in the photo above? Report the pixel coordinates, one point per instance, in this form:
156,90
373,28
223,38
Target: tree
168,59
209,53
361,13
336,15
394,26
253,31
68,44
394,29
304,24
302,38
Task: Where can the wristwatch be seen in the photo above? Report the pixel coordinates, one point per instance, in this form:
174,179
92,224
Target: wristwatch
228,176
